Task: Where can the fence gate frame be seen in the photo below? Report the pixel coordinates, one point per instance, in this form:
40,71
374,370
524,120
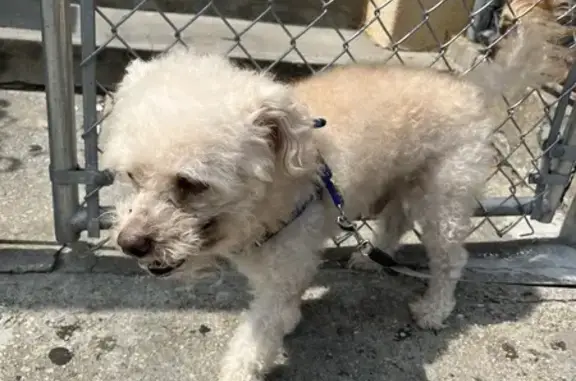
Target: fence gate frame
73,216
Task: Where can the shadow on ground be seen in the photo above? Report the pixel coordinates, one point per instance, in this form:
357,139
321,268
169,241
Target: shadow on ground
358,329
7,163
362,326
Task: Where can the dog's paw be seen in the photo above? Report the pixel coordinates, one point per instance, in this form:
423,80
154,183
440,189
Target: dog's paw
361,262
430,314
236,366
240,377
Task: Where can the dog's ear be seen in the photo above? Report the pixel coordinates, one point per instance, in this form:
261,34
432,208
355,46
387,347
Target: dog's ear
288,132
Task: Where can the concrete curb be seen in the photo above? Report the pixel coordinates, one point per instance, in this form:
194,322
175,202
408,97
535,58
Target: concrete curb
18,259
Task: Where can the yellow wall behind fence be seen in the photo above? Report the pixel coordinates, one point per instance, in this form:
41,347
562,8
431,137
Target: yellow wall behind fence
400,17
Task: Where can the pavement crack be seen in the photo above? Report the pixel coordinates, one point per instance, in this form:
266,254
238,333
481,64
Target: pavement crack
57,259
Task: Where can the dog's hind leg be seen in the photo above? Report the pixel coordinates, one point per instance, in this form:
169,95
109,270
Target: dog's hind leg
447,258
445,211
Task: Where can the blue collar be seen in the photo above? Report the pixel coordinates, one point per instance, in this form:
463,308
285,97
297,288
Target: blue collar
327,183
317,195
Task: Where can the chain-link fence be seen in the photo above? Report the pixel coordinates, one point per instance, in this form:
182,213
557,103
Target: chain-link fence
536,135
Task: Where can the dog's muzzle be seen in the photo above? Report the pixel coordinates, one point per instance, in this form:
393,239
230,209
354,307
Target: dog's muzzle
161,270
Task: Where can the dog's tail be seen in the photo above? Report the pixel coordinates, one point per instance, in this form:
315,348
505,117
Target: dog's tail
523,60
526,59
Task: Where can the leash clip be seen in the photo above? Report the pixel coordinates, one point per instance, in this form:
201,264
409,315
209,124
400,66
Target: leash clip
364,246
345,224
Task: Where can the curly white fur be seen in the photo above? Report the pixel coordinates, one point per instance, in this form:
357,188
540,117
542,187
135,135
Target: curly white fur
407,145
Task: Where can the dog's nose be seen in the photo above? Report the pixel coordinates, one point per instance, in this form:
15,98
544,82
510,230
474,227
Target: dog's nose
135,245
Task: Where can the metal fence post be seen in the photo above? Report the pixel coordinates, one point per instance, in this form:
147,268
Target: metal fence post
57,41
553,163
568,230
563,166
88,70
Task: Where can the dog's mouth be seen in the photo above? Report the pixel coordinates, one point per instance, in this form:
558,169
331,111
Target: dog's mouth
160,269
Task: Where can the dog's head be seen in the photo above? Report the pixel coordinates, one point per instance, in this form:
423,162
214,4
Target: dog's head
203,143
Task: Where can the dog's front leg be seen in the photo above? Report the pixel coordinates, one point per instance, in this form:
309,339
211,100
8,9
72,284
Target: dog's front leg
278,278
256,342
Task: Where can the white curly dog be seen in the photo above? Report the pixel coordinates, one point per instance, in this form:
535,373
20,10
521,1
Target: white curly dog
222,157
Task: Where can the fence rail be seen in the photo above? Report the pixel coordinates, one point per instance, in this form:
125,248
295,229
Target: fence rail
537,130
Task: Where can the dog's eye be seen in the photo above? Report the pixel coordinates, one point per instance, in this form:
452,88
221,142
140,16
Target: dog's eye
187,186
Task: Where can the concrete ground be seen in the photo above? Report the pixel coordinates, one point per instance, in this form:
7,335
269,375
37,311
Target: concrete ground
72,315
